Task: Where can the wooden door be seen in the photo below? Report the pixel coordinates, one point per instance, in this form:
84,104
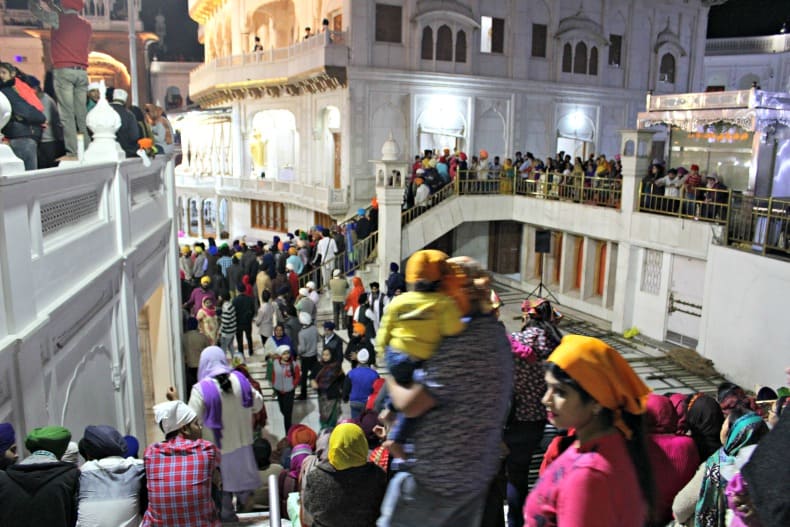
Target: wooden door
504,247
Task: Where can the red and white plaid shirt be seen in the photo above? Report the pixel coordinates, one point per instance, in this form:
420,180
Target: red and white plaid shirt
179,473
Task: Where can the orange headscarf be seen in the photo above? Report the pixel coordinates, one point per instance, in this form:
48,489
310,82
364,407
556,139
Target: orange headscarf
604,374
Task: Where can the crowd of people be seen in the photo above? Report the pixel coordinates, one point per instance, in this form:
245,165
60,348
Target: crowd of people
677,190
578,179
623,456
49,120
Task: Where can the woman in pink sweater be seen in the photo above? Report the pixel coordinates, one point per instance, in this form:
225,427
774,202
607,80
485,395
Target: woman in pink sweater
604,478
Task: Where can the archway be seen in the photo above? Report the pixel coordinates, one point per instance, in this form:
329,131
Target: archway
274,144
102,66
274,23
440,127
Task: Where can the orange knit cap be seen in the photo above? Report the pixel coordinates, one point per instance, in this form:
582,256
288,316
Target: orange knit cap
604,374
359,328
428,265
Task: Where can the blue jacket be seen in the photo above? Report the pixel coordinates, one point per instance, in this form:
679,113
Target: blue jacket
359,384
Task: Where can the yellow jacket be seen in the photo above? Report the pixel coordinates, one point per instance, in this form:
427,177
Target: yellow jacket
415,322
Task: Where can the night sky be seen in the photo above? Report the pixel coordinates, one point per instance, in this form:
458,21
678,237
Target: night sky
733,19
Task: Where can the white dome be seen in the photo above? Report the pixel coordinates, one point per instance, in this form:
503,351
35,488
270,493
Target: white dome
390,151
5,111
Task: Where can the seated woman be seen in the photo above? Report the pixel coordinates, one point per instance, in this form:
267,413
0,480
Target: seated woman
346,490
604,478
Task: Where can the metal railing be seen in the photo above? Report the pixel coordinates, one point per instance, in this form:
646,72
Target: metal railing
600,191
760,224
363,252
702,204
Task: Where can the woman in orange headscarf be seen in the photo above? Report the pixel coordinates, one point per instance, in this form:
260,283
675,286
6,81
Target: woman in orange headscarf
604,478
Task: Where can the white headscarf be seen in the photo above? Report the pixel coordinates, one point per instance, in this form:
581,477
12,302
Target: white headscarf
173,415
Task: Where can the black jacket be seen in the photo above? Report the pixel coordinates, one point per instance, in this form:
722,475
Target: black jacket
26,120
128,134
39,494
245,310
344,498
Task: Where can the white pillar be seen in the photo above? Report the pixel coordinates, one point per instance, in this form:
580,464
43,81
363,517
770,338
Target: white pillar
390,199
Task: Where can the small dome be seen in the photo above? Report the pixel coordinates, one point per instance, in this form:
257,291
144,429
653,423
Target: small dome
5,111
390,151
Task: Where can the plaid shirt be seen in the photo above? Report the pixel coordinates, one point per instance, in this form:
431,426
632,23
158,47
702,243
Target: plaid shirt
179,475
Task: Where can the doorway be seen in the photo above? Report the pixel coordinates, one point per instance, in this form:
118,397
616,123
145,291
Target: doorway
504,247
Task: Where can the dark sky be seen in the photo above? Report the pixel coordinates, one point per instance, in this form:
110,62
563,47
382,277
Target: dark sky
181,37
738,18
733,19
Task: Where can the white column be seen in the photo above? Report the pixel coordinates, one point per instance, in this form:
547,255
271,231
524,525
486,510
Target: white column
390,199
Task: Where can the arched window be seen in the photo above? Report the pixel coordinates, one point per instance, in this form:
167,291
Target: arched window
667,69
444,44
427,43
593,70
209,218
194,218
460,47
567,58
580,58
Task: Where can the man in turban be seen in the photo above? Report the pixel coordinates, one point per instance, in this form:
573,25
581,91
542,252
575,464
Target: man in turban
180,471
42,489
110,486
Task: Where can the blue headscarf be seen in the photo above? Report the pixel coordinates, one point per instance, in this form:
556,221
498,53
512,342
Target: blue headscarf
132,447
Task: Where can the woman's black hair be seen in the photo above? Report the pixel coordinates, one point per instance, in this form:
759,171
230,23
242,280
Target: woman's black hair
637,445
224,382
724,389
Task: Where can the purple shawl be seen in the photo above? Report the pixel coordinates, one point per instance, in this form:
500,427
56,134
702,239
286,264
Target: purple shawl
212,363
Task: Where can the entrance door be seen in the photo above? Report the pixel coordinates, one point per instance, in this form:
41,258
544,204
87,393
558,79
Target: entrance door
504,247
685,301
336,169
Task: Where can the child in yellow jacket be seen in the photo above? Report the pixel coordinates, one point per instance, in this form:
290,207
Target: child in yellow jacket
415,322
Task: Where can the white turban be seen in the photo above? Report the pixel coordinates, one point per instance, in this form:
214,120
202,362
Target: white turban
303,291
305,318
310,285
173,415
363,356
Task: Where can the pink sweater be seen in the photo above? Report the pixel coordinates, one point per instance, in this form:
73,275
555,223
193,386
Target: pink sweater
674,460
589,485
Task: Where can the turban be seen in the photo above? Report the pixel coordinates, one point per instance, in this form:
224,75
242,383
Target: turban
173,415
132,446
298,455
72,453
291,250
604,374
329,325
7,437
363,356
102,441
53,439
302,434
304,318
418,181
348,447
359,328
428,265
303,291
205,280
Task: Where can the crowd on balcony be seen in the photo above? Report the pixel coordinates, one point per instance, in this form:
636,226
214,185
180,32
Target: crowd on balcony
689,192
48,121
596,179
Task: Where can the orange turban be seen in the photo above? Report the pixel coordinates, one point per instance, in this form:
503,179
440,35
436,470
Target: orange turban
418,181
302,434
604,374
428,265
359,328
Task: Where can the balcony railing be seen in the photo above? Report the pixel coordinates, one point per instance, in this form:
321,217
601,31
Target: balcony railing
599,191
268,71
704,204
305,194
748,45
760,224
